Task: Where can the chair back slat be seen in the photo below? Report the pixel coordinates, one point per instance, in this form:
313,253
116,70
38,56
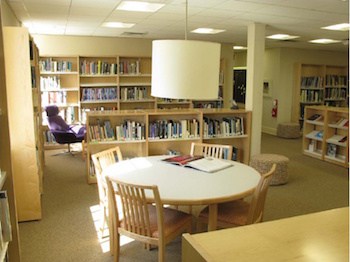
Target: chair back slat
101,160
212,150
135,207
258,199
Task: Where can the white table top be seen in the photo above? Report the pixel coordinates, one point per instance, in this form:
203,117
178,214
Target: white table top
186,186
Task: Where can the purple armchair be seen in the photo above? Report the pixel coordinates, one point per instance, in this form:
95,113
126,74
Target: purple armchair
63,133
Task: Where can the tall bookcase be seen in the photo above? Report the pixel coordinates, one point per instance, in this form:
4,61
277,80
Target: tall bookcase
135,83
36,95
7,181
21,123
325,134
155,132
319,85
59,84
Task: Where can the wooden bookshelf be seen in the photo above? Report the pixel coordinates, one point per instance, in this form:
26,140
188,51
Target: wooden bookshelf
325,134
160,132
37,114
21,123
135,83
318,85
59,85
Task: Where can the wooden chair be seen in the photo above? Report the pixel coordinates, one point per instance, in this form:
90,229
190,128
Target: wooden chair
142,221
102,160
241,212
212,150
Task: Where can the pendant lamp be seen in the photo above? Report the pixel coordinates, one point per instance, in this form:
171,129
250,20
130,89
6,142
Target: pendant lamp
185,69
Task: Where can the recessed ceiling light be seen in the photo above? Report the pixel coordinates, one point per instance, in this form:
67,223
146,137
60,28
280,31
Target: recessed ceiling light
338,27
238,47
207,31
282,37
324,41
139,6
117,25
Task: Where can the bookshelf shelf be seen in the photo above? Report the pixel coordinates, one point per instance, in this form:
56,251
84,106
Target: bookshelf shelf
189,119
333,145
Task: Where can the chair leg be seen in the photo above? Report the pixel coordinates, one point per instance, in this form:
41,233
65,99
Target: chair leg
116,245
161,252
104,222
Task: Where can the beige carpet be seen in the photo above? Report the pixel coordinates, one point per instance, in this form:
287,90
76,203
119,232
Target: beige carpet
67,231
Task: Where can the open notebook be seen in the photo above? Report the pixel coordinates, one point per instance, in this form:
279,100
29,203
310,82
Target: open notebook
206,164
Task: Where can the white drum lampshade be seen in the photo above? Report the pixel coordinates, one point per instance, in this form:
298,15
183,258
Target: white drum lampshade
185,69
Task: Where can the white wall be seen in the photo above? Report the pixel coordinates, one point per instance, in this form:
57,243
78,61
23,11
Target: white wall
279,69
7,16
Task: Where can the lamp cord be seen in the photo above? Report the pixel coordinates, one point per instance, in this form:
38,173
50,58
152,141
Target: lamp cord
186,20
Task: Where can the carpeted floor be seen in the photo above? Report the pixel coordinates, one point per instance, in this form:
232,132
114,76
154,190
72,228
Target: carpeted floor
67,231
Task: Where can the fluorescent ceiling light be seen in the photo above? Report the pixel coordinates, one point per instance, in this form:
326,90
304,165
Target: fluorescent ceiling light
238,47
139,6
282,37
324,41
117,25
207,31
43,28
338,27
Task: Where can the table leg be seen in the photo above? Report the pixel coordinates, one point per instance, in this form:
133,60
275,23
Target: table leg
213,217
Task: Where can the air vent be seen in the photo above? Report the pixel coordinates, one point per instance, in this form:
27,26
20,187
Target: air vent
134,33
289,40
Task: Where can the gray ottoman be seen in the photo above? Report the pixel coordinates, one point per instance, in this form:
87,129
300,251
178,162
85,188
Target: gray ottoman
288,130
264,162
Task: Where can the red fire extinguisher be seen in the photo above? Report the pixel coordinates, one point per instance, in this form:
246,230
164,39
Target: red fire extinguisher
274,108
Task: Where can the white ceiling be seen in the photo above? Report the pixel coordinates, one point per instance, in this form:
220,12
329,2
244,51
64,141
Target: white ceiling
295,17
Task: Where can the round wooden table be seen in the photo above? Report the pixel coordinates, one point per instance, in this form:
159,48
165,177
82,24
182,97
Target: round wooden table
180,185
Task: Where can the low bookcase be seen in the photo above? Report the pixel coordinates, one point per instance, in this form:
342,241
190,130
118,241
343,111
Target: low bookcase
325,134
161,132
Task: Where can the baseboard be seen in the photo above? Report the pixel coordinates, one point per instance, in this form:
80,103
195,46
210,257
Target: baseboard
269,130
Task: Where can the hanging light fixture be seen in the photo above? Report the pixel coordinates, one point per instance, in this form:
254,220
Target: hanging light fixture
185,69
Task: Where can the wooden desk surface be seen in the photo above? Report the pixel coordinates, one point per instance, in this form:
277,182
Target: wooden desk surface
322,236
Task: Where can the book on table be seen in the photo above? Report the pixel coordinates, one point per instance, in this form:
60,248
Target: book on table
206,164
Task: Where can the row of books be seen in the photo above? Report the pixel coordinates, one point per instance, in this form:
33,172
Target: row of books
170,100
50,82
133,93
130,130
335,93
167,129
311,96
214,104
50,65
336,80
311,82
227,126
101,131
127,131
48,137
55,97
99,94
129,67
98,68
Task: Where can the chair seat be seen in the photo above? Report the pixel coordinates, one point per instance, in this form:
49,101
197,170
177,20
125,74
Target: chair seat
235,212
174,220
